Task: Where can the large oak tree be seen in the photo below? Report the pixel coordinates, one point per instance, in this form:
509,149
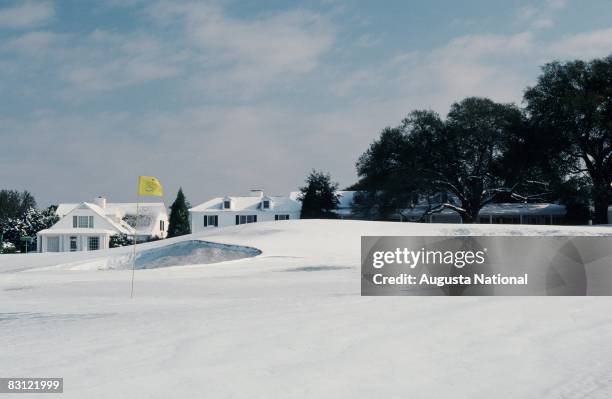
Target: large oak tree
463,156
571,108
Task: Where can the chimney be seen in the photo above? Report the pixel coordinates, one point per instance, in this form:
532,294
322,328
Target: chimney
101,202
257,193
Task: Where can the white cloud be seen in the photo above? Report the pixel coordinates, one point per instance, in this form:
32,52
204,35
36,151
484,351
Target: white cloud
273,146
476,46
592,44
367,41
556,3
32,43
27,14
543,23
225,56
107,61
472,65
244,56
496,66
540,17
527,12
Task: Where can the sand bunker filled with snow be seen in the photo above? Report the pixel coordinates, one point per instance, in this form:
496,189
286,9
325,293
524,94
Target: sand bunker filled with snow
191,253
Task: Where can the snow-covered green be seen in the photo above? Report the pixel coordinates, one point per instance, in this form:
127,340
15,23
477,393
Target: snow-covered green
290,323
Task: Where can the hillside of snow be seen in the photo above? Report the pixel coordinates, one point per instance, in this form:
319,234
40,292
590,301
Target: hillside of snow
289,322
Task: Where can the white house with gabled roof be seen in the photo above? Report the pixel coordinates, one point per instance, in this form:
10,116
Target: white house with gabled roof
234,210
88,226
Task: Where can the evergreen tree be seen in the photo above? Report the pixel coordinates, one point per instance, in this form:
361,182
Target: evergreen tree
178,223
319,197
120,240
14,204
28,224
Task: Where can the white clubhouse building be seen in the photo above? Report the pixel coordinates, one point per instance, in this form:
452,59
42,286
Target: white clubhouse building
233,210
88,226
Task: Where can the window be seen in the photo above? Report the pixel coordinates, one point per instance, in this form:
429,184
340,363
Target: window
244,219
227,204
161,225
266,204
211,220
73,244
83,222
93,243
281,217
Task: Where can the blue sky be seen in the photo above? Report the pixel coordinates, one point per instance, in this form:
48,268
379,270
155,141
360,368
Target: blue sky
223,96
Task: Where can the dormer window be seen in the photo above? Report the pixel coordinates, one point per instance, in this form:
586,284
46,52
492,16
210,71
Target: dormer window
83,222
266,202
227,204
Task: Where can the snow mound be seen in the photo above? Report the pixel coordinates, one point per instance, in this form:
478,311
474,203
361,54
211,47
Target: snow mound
190,252
193,252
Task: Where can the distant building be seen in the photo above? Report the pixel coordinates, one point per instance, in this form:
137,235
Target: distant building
233,210
345,204
88,226
504,213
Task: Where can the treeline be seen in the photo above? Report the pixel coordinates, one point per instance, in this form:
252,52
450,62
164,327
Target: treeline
20,218
556,148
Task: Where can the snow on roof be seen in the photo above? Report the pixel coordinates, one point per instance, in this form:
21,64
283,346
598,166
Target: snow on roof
249,203
118,224
77,231
119,208
114,212
530,209
63,209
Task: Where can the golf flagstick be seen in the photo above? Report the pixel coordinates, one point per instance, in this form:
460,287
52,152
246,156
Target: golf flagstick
135,239
147,186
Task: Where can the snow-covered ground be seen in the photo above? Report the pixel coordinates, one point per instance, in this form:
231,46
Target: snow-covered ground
290,323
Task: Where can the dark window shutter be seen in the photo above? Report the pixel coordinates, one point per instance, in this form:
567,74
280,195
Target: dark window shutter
254,218
216,221
74,222
275,217
205,220
237,219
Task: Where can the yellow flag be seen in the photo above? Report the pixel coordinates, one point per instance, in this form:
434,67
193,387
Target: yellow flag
149,185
